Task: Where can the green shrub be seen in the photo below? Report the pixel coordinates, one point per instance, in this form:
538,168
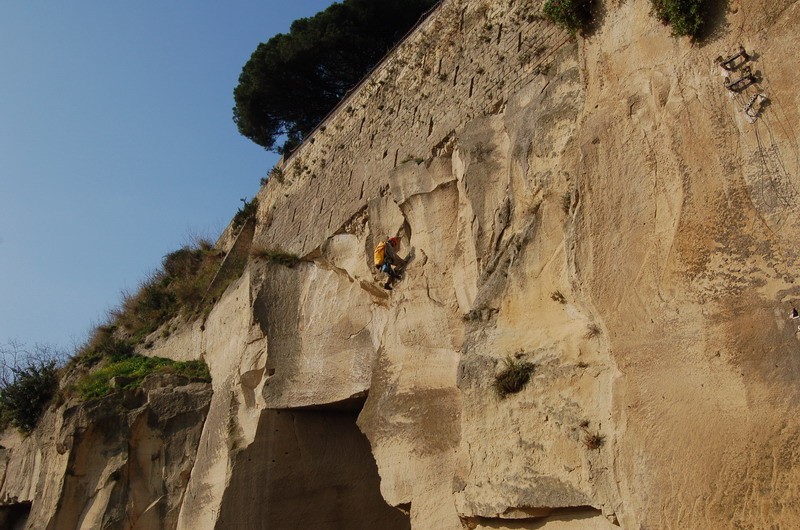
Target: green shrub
686,17
180,285
513,378
132,370
274,173
143,312
247,211
103,343
26,391
574,15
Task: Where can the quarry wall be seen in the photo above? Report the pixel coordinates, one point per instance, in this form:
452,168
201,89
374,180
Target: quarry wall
599,208
462,62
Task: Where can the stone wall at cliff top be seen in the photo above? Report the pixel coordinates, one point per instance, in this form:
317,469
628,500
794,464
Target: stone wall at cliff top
461,63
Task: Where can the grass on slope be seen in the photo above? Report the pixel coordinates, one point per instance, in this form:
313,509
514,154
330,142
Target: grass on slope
132,370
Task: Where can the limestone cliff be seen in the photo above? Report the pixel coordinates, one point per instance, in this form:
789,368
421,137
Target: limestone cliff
601,207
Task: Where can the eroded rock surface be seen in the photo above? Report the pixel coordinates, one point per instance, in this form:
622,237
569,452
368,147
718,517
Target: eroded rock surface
601,208
118,462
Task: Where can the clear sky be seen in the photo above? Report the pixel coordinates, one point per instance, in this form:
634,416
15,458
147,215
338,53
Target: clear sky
116,146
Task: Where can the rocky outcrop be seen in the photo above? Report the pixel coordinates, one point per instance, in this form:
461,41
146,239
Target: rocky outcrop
601,208
116,462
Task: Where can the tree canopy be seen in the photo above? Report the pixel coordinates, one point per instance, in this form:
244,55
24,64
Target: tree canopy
293,80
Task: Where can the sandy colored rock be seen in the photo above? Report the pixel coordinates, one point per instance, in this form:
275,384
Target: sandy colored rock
117,462
600,207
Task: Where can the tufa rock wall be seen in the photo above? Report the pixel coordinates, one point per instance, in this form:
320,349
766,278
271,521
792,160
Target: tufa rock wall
459,64
601,208
117,462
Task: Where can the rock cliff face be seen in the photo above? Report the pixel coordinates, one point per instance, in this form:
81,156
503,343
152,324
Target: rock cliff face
117,462
602,208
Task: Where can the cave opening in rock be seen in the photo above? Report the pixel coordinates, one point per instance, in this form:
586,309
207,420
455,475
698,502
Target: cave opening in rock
14,516
308,468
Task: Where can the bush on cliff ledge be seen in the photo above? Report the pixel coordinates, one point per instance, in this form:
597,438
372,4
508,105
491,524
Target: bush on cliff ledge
686,17
23,401
513,377
28,381
108,363
130,371
248,211
276,256
180,285
574,15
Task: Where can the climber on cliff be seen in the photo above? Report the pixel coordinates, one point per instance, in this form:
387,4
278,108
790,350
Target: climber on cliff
385,257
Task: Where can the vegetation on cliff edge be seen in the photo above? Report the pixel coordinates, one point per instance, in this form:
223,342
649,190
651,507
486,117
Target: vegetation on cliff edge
28,381
30,378
128,372
179,286
274,255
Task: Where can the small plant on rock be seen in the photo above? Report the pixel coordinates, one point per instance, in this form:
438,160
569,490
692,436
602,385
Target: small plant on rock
245,213
483,314
593,441
276,256
513,377
574,15
557,296
566,202
686,17
592,331
275,173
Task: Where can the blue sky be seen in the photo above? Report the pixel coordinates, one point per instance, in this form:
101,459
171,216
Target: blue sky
116,146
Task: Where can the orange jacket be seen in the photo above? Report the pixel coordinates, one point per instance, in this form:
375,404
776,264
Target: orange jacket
380,252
